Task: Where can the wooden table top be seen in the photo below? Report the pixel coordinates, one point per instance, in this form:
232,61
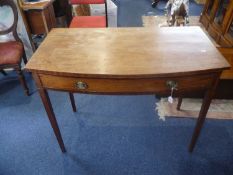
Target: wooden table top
127,52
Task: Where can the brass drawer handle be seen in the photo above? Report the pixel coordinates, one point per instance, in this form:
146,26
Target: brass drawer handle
81,85
172,84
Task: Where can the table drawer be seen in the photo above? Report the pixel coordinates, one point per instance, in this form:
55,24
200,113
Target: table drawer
124,86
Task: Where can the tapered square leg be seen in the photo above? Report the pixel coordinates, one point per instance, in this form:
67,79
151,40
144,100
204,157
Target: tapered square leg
72,101
179,103
48,107
204,109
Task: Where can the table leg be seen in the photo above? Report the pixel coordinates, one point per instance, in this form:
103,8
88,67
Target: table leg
49,109
204,109
179,103
72,101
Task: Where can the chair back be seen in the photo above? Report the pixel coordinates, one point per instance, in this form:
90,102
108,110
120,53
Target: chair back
13,27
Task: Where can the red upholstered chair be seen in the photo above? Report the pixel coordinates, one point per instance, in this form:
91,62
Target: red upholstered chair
89,21
12,52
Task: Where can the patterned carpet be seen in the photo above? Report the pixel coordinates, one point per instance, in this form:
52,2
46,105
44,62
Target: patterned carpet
219,109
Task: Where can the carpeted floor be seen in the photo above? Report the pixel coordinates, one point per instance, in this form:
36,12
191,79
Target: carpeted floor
108,135
143,7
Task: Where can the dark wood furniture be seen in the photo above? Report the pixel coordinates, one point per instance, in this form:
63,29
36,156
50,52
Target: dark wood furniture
127,61
227,52
90,21
217,18
40,16
12,52
225,86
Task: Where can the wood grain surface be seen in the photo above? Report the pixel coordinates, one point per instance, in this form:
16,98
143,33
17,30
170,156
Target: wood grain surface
126,86
228,54
36,6
127,52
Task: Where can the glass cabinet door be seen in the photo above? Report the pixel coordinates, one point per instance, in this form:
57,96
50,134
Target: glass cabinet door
210,6
221,11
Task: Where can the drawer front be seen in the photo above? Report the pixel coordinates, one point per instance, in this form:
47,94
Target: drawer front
124,86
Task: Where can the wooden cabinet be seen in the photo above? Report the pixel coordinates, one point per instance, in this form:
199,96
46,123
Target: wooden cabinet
217,19
228,54
40,16
227,38
208,13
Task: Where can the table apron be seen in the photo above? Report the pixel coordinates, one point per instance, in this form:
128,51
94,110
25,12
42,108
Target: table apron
124,86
